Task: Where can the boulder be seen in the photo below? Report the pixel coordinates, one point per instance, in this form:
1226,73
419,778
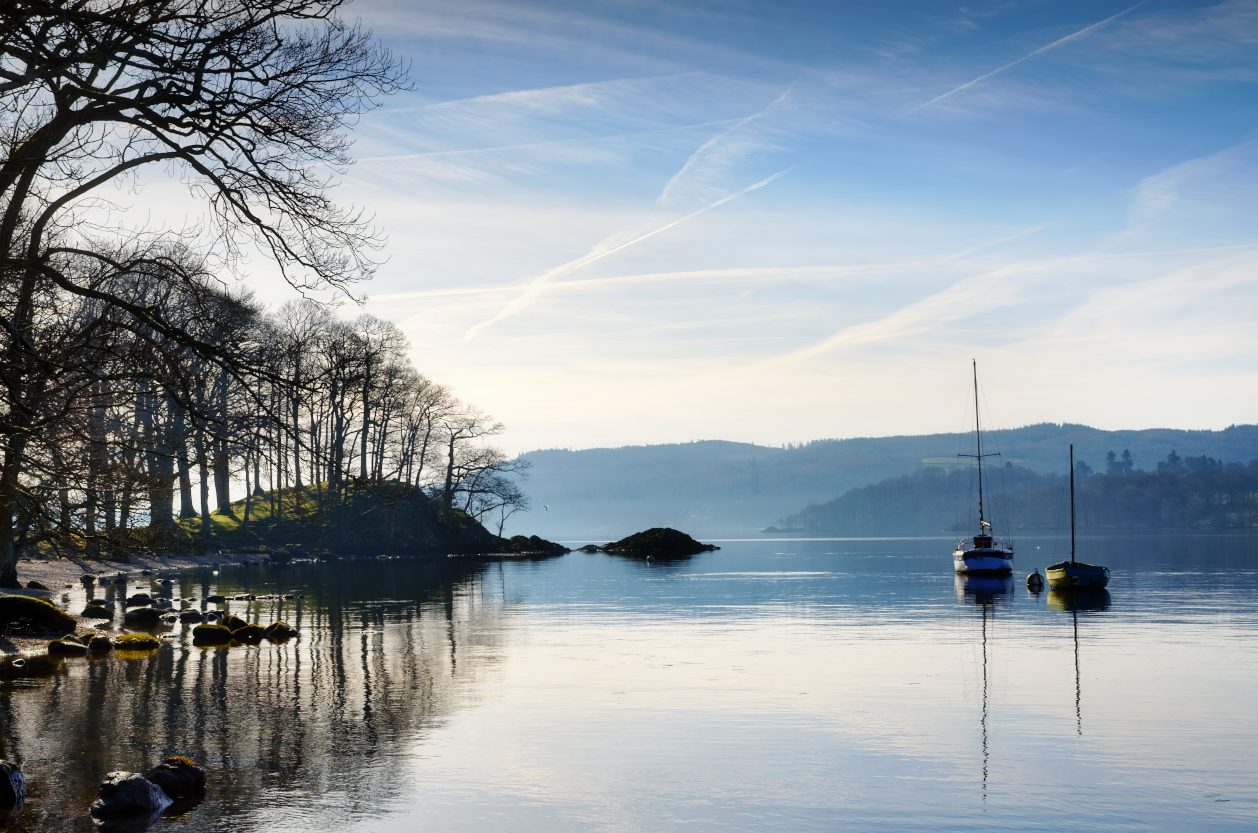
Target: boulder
88,579
12,786
95,611
142,616
211,635
139,599
249,634
100,645
67,648
136,642
127,795
35,615
279,631
233,623
178,777
191,616
35,585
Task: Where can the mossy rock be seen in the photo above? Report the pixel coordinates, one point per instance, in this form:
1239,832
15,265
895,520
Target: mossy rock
279,632
139,599
249,634
136,642
100,644
36,613
142,616
233,623
191,616
67,648
211,635
97,612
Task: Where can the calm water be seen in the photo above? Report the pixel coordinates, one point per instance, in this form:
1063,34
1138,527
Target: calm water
774,685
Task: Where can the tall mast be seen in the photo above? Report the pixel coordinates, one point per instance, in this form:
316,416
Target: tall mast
1072,503
978,436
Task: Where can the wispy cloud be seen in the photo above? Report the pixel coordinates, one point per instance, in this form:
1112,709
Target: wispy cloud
538,284
1082,33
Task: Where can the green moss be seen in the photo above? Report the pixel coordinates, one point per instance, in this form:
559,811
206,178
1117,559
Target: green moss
251,634
211,634
67,648
279,631
233,623
137,642
97,612
35,613
177,760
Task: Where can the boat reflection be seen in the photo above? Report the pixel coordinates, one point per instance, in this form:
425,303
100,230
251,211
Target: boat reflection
1094,599
987,591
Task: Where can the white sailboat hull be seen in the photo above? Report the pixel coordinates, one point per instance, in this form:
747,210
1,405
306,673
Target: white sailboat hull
986,561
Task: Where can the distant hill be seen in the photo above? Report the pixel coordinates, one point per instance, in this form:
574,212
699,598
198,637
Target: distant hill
721,489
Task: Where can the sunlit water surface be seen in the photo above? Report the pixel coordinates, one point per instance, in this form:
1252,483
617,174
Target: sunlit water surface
773,685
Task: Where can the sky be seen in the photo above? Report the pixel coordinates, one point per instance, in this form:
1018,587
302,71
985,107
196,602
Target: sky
616,223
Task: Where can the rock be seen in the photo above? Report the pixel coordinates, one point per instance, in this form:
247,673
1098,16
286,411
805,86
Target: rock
191,616
35,585
211,635
233,623
146,572
244,597
589,548
94,611
279,632
136,642
162,603
249,634
178,777
659,542
67,648
170,618
12,787
166,583
126,795
36,615
216,599
139,599
142,616
87,579
100,645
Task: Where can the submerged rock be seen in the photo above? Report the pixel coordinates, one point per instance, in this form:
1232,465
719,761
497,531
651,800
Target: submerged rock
178,777
12,787
128,796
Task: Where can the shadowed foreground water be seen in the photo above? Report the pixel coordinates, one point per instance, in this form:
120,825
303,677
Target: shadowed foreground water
791,685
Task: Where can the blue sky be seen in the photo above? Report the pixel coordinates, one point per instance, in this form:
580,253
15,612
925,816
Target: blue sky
628,222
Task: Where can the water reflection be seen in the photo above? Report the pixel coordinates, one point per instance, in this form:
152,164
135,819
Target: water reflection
319,721
988,593
1075,600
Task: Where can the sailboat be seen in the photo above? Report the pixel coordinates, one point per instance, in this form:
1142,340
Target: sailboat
983,553
1075,575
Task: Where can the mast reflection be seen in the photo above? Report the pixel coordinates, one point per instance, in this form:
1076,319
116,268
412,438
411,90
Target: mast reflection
1075,600
987,593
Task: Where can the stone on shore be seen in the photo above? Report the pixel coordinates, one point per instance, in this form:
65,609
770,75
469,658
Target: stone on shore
178,777
142,616
35,614
35,585
128,796
12,786
67,648
211,635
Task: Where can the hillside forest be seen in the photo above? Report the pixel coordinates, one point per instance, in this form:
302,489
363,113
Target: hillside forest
1182,492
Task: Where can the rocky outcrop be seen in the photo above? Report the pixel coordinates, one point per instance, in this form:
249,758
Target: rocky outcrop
660,542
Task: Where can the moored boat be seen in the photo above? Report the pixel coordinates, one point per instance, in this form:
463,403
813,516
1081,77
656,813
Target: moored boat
1072,574
984,553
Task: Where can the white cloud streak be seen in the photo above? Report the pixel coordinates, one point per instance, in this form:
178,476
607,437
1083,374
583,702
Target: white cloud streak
538,284
1084,32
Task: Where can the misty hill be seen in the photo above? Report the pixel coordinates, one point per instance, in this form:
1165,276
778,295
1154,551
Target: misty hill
716,488
1197,492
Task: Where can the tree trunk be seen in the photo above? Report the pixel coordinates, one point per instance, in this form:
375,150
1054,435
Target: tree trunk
186,509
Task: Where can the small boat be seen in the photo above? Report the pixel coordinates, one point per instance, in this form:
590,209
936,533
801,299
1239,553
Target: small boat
1075,575
983,554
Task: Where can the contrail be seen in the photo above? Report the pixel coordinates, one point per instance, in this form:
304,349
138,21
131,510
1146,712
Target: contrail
1081,33
538,284
738,125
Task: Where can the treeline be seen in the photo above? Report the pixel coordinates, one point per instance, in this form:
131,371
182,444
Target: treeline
134,384
1202,493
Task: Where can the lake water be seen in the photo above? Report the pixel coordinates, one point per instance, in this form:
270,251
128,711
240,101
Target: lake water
773,685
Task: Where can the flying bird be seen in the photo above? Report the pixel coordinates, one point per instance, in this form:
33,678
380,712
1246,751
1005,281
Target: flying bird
547,508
